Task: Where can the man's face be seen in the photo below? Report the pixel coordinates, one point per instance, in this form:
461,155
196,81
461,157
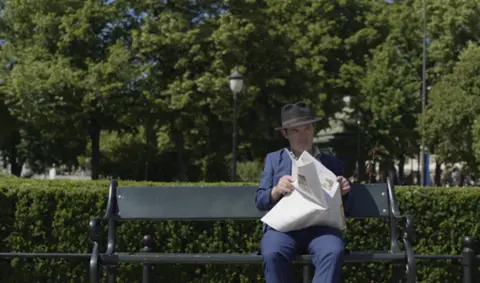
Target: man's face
301,137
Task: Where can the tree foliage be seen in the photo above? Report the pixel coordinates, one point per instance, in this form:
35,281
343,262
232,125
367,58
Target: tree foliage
153,74
448,123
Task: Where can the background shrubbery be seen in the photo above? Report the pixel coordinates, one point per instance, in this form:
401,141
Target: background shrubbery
41,216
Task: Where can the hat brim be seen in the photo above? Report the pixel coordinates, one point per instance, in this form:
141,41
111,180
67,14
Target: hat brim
300,123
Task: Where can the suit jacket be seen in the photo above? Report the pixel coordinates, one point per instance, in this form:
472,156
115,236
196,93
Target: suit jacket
279,164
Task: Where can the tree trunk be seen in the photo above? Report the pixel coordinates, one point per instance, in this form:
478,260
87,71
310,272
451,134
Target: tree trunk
438,173
401,169
382,171
4,161
16,167
371,173
462,179
150,147
387,170
179,141
361,169
95,157
15,163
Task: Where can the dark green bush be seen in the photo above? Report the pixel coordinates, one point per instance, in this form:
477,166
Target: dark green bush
53,216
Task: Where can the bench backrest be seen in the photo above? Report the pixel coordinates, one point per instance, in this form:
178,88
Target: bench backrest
225,202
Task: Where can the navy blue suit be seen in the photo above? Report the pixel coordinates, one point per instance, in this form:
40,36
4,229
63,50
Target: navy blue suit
326,244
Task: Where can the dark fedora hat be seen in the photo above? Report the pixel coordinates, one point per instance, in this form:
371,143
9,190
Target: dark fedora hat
297,114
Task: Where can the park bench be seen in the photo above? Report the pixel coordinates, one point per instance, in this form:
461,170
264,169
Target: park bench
233,202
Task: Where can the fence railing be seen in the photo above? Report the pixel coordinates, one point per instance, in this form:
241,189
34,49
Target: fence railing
469,257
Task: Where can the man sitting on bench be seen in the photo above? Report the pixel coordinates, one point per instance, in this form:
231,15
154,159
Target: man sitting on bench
325,244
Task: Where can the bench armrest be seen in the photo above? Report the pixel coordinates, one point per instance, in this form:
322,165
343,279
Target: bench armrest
96,230
408,238
396,215
393,200
408,228
111,202
97,224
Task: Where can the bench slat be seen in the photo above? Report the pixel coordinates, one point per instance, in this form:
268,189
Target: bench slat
184,203
217,202
235,258
368,201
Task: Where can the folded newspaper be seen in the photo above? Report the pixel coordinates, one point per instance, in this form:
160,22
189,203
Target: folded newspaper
316,199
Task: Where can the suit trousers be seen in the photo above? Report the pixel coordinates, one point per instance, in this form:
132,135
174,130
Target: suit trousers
325,244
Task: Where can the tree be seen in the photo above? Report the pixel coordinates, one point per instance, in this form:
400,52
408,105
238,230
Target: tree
72,70
390,104
156,72
448,122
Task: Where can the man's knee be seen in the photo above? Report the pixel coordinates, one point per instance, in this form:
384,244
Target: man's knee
337,249
328,261
274,256
330,246
330,253
276,253
276,261
277,246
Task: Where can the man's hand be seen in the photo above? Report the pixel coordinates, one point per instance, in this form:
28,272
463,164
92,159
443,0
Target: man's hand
283,187
344,184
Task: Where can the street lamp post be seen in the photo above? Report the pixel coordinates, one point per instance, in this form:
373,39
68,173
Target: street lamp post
358,120
424,90
236,85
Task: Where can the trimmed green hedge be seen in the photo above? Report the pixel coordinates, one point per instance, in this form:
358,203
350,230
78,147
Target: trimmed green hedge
53,216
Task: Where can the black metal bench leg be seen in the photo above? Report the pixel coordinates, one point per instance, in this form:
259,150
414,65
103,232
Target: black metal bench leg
147,273
111,274
398,272
308,271
147,276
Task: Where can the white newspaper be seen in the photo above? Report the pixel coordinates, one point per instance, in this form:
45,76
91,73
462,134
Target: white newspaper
316,199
